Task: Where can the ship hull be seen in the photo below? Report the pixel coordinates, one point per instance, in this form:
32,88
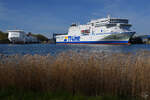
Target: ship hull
95,42
115,38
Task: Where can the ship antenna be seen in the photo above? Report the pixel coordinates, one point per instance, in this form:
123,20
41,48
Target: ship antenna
108,16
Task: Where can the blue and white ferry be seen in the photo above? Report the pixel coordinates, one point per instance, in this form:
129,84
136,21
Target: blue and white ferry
101,31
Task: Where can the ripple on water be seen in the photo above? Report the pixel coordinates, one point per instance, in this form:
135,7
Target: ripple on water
44,49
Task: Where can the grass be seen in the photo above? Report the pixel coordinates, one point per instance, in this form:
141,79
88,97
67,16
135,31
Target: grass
96,76
13,94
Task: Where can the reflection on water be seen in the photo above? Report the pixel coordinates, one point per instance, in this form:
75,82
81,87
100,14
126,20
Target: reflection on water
44,49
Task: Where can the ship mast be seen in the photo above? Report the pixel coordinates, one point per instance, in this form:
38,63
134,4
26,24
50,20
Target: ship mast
108,16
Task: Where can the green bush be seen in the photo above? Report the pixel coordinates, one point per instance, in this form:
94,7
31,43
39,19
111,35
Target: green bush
3,37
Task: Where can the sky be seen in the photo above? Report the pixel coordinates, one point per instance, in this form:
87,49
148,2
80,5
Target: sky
55,16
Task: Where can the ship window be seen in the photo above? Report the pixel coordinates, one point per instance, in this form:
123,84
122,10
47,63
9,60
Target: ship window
118,21
92,24
74,25
104,20
97,25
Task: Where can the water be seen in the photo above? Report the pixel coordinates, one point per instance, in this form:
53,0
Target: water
44,49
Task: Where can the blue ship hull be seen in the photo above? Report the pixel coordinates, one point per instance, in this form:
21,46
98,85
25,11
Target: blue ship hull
95,42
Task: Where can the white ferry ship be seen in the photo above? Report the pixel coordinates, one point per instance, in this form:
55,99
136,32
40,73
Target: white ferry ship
19,36
101,31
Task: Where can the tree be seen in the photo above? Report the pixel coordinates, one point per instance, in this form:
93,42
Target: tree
39,36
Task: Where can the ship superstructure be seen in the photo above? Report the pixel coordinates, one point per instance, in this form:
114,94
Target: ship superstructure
101,31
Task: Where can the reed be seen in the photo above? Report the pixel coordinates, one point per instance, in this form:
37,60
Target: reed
93,74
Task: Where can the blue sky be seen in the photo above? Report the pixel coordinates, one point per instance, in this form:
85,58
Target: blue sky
49,16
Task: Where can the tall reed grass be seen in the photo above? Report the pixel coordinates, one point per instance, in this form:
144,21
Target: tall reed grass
90,74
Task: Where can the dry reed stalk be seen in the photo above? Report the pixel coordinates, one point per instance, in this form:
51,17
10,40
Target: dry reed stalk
95,74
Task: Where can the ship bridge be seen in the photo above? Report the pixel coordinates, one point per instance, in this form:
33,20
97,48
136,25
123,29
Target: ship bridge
109,21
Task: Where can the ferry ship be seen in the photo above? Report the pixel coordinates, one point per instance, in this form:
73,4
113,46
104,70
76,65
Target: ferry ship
100,31
19,36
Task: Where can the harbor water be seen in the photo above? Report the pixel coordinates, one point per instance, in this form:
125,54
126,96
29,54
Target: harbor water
53,49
